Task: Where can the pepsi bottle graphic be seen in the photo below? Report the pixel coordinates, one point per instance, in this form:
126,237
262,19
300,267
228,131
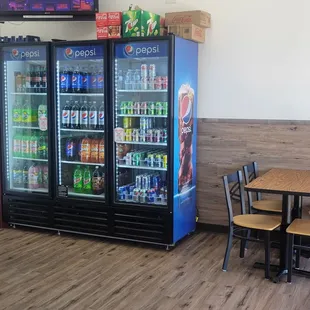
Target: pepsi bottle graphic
186,100
65,80
77,80
86,80
75,116
84,116
66,115
100,81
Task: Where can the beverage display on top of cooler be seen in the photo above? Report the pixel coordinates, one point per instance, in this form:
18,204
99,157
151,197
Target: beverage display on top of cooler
81,120
141,124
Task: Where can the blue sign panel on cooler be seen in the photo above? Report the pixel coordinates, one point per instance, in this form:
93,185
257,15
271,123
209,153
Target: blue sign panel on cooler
185,137
142,49
23,53
80,52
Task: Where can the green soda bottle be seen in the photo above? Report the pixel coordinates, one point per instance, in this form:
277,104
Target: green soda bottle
78,180
27,114
87,188
17,113
34,145
17,144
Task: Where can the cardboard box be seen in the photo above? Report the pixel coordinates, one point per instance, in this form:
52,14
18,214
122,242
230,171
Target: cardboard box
139,23
109,32
108,19
199,18
193,33
175,29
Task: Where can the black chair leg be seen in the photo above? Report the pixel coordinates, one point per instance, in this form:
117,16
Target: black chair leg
298,251
267,254
228,248
290,257
244,242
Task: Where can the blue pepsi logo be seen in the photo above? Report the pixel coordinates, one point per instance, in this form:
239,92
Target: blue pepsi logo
93,80
15,53
84,116
101,115
74,79
186,109
69,53
73,115
92,115
65,115
63,79
129,50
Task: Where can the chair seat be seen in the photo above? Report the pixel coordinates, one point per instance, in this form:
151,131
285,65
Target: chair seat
268,205
258,221
299,227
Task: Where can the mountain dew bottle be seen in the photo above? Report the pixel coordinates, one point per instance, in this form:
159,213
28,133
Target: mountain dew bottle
34,145
78,180
87,188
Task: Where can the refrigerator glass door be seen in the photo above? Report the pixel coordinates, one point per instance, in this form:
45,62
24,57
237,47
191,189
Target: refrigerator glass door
141,122
80,121
25,121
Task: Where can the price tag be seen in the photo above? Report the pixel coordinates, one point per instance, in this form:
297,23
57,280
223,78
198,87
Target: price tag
63,191
119,135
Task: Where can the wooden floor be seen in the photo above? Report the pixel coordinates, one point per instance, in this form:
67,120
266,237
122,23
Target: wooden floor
46,271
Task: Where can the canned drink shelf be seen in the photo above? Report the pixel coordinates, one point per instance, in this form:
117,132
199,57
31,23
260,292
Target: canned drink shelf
82,94
32,159
143,200
81,163
30,94
142,115
72,193
142,91
25,127
142,167
82,130
142,143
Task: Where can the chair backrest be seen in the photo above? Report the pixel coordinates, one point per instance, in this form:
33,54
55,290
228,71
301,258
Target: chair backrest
251,173
234,191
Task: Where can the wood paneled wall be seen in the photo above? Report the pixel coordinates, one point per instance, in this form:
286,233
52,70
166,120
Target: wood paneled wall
226,145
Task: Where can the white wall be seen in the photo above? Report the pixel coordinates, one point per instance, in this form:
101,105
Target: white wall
255,63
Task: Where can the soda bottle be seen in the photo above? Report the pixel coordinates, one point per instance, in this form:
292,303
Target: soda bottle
17,113
78,180
40,176
33,176
86,80
101,151
79,148
137,80
75,116
93,116
93,80
42,115
77,80
66,115
27,114
28,79
43,80
70,149
97,182
94,155
87,188
17,175
17,145
100,81
33,80
45,176
120,84
42,147
85,150
101,117
34,146
26,145
84,116
128,80
65,80
38,79
25,175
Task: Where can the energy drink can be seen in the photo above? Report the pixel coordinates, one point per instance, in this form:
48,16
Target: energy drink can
150,123
123,107
143,135
157,136
136,195
146,182
164,81
136,108
143,196
143,123
151,108
158,83
126,122
159,161
130,107
143,108
164,136
165,161
152,71
135,135
136,159
156,183
138,181
128,135
159,108
165,108
129,159
144,70
149,135
122,192
150,160
151,195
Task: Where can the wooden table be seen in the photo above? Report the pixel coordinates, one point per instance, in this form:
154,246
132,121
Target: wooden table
286,182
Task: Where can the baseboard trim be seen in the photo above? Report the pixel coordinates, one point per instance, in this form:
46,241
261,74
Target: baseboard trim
212,227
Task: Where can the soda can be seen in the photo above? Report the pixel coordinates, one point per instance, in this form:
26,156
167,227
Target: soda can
152,71
136,159
150,123
136,195
151,108
159,108
157,136
150,160
138,181
144,83
164,82
159,161
128,135
143,123
151,83
131,189
158,83
122,192
145,180
135,135
164,137
123,107
143,108
165,108
142,135
156,183
129,159
151,195
165,161
130,107
136,108
144,71
149,135
143,196
126,122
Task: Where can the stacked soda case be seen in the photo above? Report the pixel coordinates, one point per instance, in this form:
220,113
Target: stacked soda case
29,176
143,78
144,108
83,115
30,144
87,79
148,188
86,181
33,80
85,150
145,158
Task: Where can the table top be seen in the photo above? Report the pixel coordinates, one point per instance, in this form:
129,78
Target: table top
282,181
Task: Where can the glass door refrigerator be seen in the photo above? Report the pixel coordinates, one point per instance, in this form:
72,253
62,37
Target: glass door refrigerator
154,143
80,130
26,144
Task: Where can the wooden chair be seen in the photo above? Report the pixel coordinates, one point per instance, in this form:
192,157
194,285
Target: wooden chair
299,228
244,223
272,206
